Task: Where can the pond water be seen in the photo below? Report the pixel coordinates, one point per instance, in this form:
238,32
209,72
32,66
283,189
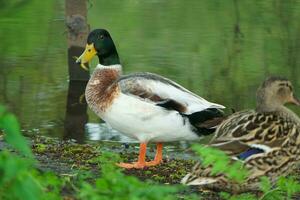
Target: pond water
221,50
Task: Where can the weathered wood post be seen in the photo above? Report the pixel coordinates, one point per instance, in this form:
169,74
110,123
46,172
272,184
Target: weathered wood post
78,29
76,109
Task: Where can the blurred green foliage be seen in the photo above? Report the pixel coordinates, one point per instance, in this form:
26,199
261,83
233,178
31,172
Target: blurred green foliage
114,185
10,125
18,177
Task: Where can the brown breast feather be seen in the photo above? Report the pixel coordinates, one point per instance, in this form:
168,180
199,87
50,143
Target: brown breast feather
102,89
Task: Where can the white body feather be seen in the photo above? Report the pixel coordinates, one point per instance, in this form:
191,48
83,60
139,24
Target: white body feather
146,122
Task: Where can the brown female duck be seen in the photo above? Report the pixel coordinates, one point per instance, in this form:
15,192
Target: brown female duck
266,140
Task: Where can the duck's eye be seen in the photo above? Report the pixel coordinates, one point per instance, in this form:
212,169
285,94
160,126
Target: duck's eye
101,37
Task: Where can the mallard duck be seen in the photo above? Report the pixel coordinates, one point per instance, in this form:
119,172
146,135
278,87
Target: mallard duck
266,140
143,106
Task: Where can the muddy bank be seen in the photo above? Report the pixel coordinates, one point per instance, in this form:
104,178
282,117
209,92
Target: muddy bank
67,156
68,159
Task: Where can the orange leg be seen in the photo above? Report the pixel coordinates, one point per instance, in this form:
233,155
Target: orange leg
158,156
141,160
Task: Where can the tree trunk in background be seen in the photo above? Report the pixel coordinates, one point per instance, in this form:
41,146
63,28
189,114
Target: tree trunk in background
78,29
76,108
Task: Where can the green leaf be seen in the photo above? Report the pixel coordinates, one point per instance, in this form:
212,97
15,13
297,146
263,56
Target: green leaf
113,184
288,185
13,135
225,195
16,178
243,196
265,184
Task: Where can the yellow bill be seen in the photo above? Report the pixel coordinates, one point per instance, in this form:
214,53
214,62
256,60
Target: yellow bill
87,55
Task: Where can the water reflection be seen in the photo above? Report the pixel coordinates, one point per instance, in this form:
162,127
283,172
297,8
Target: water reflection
102,131
76,112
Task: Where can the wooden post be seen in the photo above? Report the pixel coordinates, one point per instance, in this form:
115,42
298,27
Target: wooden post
76,112
76,109
78,29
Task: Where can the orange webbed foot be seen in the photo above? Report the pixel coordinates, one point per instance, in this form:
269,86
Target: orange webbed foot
141,160
153,163
135,165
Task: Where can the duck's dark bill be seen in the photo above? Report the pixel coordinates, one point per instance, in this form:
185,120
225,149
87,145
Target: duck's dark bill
87,55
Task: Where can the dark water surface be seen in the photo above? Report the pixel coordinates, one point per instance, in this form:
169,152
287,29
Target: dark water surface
220,50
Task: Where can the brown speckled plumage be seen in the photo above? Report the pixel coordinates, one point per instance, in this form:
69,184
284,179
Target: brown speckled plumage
271,127
102,89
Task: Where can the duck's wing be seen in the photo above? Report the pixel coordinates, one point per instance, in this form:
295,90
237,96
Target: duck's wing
163,92
248,133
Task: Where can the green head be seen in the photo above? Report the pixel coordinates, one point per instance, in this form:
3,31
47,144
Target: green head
100,43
